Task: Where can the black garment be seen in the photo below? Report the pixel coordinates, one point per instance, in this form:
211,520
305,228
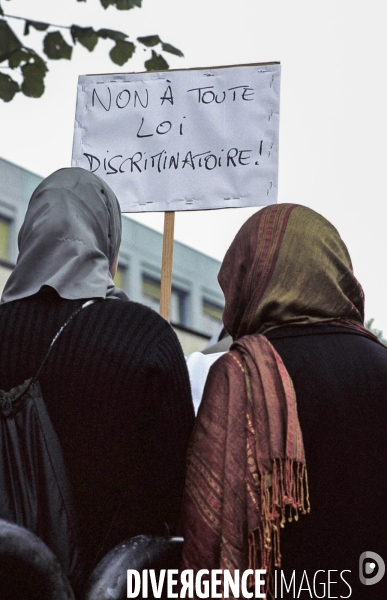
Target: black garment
117,391
340,379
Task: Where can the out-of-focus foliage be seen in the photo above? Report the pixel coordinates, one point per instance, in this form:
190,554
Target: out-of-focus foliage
22,69
377,332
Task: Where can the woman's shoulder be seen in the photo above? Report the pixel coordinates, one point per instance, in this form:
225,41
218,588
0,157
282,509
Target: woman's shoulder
228,364
125,319
125,308
109,322
127,313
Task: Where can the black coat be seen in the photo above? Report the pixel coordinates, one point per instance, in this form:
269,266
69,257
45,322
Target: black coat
117,391
340,379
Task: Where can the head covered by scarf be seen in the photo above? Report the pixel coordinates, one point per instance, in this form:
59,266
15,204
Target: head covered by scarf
246,470
69,239
288,266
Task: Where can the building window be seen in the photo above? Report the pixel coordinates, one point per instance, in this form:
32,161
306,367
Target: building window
212,310
179,299
119,279
151,289
4,238
212,316
178,306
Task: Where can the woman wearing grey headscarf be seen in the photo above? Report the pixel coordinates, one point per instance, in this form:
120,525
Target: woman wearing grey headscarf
69,239
115,384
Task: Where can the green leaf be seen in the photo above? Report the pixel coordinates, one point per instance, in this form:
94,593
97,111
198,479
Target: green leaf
36,25
27,56
55,47
85,36
156,63
111,34
121,52
171,49
33,83
9,43
121,4
39,63
20,56
8,87
149,40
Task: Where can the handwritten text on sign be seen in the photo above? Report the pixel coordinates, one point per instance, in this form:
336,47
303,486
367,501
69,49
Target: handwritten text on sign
182,140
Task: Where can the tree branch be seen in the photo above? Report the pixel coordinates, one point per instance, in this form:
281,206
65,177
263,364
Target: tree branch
31,67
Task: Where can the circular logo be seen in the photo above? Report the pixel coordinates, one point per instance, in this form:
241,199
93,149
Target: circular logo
371,568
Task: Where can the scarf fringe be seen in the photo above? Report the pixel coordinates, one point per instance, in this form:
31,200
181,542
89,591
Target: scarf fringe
284,495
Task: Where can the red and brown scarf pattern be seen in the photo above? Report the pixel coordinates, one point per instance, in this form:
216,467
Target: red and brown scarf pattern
246,467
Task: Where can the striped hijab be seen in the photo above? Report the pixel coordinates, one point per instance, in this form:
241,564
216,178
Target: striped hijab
288,266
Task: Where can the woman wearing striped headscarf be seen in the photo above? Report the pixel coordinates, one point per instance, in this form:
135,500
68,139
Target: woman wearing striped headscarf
304,383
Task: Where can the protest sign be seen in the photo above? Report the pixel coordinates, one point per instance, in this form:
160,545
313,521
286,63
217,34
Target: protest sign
182,140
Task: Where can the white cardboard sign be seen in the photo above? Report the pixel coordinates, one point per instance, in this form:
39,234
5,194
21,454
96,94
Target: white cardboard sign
182,140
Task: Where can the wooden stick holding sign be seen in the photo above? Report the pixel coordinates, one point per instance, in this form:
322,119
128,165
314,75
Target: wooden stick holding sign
166,266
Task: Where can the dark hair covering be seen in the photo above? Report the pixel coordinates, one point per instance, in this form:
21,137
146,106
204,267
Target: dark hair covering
69,239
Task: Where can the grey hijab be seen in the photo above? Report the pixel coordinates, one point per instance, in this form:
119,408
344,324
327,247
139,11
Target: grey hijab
69,239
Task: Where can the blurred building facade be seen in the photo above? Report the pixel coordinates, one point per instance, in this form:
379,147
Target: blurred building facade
196,300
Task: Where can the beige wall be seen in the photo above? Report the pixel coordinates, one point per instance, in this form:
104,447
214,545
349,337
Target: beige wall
190,341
